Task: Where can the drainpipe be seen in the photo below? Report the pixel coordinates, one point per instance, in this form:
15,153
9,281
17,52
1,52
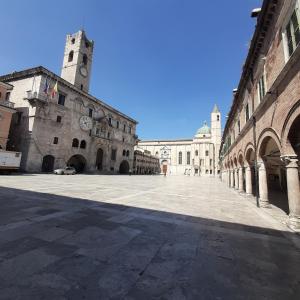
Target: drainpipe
255,163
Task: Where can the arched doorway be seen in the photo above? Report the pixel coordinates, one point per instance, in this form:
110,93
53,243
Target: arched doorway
78,162
99,159
275,172
164,166
124,167
48,163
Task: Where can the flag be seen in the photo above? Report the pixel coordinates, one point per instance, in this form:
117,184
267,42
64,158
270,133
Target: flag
46,87
54,91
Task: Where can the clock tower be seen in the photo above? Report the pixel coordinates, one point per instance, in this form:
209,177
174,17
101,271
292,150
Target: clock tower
77,61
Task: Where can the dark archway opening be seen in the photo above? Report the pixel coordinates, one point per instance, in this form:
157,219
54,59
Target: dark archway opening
276,174
78,162
99,159
124,167
294,136
48,163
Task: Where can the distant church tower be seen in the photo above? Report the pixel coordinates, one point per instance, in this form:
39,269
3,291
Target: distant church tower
77,61
216,133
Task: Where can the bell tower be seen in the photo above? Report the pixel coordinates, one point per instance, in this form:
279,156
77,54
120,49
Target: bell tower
77,61
216,134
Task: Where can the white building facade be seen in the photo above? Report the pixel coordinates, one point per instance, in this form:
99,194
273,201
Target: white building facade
198,156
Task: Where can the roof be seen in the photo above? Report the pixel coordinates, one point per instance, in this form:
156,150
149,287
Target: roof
7,85
216,109
43,71
204,129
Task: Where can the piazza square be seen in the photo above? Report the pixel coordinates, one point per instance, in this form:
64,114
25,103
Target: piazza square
150,150
151,237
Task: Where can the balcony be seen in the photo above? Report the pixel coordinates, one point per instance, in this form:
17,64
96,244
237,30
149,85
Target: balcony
98,133
7,103
35,98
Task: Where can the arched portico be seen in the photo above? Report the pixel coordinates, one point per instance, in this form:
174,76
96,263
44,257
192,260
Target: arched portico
272,172
291,155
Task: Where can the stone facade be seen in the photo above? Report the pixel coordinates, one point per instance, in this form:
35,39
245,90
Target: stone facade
197,156
261,141
59,123
6,112
144,162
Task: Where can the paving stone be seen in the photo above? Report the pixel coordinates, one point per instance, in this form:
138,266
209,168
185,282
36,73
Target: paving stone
149,238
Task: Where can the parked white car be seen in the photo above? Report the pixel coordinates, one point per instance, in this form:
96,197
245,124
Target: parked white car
65,171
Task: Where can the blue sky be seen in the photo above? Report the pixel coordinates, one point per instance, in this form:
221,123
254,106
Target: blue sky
163,62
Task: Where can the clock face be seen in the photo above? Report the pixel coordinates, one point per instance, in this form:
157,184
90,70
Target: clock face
86,123
83,71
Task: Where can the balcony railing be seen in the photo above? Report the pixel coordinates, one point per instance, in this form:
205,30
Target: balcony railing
36,97
96,132
7,103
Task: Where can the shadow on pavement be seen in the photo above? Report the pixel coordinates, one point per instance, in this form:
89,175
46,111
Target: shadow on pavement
57,247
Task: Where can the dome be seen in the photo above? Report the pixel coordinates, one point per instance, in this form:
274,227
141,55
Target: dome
204,129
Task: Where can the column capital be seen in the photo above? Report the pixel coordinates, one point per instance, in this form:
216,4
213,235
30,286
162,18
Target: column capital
261,165
291,161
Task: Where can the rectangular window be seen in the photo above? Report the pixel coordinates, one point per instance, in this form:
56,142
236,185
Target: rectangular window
130,130
247,114
118,124
124,128
58,119
188,158
261,88
210,162
109,121
7,96
206,153
55,140
292,32
90,112
61,99
180,158
113,154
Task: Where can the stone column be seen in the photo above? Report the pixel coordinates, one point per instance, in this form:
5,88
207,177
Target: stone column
263,185
241,180
236,181
248,181
292,178
231,178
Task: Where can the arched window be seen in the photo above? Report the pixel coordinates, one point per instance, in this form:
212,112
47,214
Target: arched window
75,143
71,54
83,144
73,41
124,152
127,153
180,158
218,118
85,59
196,153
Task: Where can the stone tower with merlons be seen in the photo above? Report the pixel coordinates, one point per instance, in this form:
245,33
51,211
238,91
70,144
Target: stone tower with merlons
216,134
77,63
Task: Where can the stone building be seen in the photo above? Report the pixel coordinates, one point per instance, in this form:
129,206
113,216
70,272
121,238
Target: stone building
6,112
145,163
59,123
198,156
261,141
